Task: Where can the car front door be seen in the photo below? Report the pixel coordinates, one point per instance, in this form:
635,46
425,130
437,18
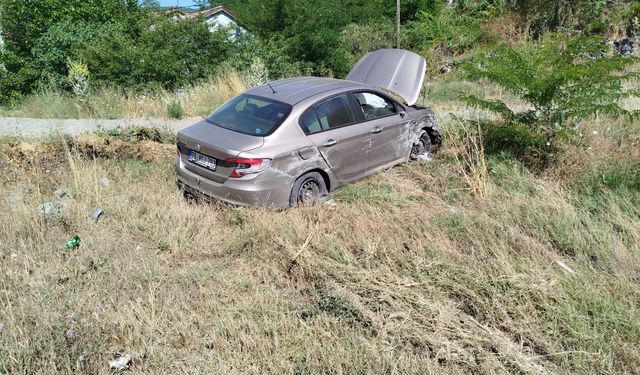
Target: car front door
343,143
388,128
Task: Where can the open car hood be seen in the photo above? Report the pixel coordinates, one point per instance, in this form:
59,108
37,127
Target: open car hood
396,70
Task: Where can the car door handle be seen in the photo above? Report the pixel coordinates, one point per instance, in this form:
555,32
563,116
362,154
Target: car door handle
330,143
375,130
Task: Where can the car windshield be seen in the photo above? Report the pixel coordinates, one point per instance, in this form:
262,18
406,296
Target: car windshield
248,114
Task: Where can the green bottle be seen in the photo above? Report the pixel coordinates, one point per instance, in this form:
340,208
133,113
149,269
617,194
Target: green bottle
73,243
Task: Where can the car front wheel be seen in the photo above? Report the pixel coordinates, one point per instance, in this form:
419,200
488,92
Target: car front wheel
308,190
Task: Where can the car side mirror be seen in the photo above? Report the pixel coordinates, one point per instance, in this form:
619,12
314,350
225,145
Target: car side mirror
403,114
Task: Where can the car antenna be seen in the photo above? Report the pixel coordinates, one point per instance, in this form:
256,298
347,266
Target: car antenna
271,87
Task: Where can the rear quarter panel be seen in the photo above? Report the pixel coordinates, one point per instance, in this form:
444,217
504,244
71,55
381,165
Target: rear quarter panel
292,154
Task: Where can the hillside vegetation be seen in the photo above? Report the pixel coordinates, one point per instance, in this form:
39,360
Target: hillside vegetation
87,53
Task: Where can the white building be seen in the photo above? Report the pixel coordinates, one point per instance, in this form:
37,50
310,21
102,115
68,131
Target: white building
215,18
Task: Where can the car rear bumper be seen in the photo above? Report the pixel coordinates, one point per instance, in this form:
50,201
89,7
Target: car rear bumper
267,189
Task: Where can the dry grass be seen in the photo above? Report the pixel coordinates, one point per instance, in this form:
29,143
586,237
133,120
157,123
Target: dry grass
109,103
410,273
467,148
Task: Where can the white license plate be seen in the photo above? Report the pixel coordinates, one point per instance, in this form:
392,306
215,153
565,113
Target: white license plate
202,160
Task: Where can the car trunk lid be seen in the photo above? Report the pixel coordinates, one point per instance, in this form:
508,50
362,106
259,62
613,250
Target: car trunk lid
396,70
216,142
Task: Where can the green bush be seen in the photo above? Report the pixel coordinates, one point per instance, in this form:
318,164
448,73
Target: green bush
174,109
25,22
525,145
273,53
561,80
542,16
60,43
165,54
367,37
443,35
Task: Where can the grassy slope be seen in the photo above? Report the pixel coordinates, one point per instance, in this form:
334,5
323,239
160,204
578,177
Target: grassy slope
410,273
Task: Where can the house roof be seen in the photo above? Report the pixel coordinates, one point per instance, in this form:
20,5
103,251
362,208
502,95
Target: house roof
206,13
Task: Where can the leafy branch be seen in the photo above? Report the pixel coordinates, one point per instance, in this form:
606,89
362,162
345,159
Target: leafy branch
561,80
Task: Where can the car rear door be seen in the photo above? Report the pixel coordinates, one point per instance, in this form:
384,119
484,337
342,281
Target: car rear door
343,142
388,126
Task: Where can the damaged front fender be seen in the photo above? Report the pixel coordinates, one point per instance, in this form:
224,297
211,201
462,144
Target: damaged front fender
425,120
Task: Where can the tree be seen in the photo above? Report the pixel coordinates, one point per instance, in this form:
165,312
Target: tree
166,54
150,4
202,4
25,21
63,41
311,32
562,80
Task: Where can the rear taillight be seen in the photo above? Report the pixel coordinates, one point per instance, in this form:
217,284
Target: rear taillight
247,166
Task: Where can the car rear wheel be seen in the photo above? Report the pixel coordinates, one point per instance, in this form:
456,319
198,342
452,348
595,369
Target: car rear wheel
308,190
422,146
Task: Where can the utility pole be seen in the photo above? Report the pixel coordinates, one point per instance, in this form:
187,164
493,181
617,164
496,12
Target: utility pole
398,24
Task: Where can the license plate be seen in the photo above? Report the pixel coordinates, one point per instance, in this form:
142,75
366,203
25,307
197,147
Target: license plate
202,160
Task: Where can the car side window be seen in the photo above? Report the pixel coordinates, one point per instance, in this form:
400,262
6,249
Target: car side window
310,123
334,112
374,106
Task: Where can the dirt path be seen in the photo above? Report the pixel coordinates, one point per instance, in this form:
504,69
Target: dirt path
34,128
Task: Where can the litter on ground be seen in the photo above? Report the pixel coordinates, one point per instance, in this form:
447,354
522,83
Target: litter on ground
121,363
73,243
96,214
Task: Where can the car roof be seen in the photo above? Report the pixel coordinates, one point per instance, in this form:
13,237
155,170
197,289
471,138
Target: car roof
295,90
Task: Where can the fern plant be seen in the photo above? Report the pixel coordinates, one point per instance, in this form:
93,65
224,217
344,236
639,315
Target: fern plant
562,80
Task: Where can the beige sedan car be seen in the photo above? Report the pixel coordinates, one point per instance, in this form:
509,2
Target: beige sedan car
295,140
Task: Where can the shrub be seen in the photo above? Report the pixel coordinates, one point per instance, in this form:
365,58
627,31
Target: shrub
79,80
60,43
371,36
174,109
446,33
25,22
522,143
258,73
562,81
165,54
541,16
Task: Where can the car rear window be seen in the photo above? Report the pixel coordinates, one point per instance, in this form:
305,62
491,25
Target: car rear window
252,115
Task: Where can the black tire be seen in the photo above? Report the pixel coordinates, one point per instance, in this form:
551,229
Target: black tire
436,140
308,190
423,145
